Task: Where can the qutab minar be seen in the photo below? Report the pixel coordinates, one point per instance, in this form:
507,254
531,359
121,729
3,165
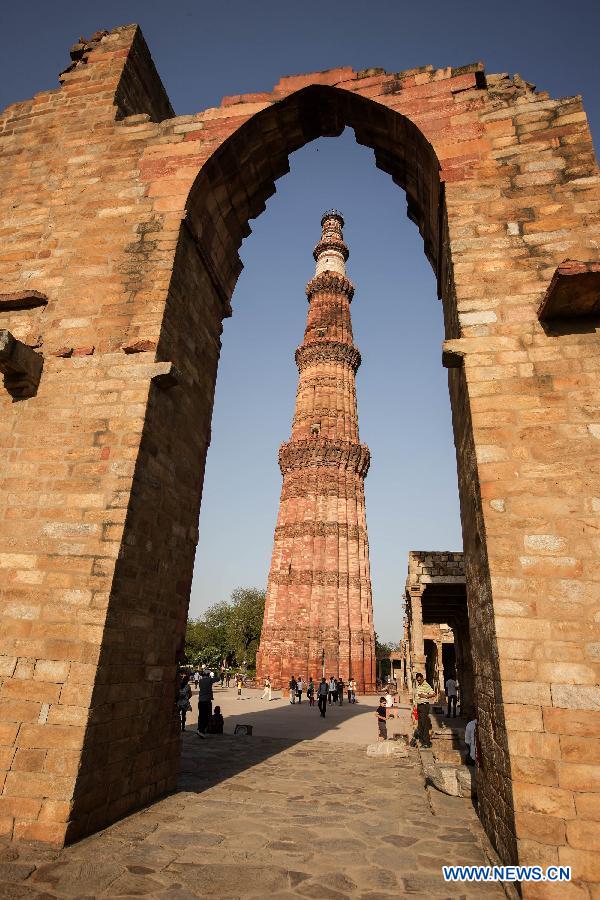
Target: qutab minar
319,611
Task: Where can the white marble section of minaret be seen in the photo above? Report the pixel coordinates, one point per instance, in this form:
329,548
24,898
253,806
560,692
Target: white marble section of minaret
331,261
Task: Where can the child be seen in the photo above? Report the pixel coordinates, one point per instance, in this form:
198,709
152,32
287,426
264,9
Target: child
238,684
215,725
381,713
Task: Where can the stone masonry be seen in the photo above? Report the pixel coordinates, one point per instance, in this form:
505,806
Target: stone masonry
119,233
318,610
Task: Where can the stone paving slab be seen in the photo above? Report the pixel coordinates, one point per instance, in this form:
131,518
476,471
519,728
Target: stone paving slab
264,817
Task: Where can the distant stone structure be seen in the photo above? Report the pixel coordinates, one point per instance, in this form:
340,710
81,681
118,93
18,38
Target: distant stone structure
436,615
318,610
120,226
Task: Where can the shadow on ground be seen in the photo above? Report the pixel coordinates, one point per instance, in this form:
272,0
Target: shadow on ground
278,725
271,816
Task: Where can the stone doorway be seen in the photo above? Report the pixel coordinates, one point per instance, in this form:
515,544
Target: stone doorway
503,185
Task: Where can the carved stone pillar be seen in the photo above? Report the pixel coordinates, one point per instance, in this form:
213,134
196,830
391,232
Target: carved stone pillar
464,665
416,643
439,671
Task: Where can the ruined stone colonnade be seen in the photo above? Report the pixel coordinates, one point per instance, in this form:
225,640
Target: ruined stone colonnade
120,226
435,594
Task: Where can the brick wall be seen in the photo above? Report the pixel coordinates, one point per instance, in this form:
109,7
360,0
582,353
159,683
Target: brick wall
103,467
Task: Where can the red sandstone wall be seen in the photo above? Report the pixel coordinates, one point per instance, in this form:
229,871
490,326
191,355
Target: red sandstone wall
93,195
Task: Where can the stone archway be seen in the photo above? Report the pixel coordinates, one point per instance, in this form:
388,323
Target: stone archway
118,267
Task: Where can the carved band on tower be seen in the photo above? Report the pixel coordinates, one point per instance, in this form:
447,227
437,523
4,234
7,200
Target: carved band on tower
319,611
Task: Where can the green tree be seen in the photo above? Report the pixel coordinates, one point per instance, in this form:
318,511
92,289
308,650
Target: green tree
383,649
227,631
206,638
245,623
382,652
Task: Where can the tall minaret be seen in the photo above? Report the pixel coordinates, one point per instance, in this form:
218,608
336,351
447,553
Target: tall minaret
318,612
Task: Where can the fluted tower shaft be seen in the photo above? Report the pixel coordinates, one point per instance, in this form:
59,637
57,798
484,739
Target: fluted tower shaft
319,608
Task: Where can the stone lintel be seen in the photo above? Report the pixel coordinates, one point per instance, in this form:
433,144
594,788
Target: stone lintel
442,579
20,365
15,300
453,355
166,375
574,291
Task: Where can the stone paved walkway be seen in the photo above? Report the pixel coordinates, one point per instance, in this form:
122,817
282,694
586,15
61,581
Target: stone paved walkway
261,817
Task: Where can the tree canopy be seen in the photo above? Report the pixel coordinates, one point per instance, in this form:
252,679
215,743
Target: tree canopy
383,650
228,632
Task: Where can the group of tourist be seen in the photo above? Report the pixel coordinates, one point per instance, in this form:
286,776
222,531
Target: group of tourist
209,721
225,677
324,692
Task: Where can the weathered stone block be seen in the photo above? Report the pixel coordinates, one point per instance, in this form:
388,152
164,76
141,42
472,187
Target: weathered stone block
573,291
457,781
388,750
553,801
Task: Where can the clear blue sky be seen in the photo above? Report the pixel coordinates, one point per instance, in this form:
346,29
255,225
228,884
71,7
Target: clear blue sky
204,51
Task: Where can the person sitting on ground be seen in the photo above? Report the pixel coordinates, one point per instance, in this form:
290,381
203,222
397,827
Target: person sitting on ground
216,722
381,713
471,741
205,699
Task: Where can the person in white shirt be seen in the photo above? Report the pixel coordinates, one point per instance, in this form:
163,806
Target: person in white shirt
389,705
471,742
299,688
266,694
451,694
352,691
332,690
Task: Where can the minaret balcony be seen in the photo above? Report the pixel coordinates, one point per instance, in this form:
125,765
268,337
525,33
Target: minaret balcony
331,242
324,452
332,282
327,352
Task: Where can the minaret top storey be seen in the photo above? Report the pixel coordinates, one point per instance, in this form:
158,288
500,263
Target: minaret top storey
331,253
328,358
329,293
